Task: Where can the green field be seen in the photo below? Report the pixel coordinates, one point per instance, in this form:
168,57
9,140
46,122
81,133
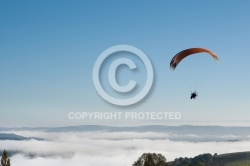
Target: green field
233,159
238,163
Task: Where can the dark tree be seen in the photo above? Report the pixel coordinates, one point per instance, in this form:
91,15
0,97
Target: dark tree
5,161
151,159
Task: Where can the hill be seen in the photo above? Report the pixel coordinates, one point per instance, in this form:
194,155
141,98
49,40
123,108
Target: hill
229,159
7,136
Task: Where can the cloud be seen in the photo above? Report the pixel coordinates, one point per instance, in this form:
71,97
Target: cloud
110,148
174,136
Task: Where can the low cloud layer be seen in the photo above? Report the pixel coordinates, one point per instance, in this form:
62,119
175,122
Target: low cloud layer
111,148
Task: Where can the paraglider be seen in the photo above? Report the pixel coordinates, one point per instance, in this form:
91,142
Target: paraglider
188,52
193,95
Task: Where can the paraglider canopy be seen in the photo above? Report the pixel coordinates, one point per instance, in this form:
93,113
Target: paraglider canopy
185,53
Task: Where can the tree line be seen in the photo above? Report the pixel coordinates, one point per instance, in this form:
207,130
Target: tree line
153,159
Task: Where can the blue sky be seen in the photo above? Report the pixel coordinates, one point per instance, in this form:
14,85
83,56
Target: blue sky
48,50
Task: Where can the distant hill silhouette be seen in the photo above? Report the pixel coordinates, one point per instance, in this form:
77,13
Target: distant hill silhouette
15,137
174,133
183,129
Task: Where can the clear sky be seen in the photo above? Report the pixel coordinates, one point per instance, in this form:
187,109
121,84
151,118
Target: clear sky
48,50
